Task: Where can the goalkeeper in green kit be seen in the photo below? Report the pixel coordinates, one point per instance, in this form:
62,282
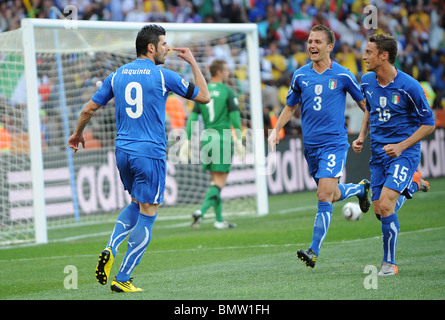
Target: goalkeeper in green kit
218,145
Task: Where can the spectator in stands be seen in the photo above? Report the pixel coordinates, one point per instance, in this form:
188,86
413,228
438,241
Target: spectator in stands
277,60
182,11
284,31
156,12
348,58
419,20
417,25
258,11
234,12
267,28
298,55
222,50
5,140
137,13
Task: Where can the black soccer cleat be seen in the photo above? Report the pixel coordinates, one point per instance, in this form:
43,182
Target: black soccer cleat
308,257
363,200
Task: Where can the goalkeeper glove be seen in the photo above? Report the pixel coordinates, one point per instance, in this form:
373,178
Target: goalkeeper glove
240,149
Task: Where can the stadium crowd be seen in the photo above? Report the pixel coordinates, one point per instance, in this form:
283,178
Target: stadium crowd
283,27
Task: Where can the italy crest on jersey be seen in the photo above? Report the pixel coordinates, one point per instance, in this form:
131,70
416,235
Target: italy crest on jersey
395,98
332,84
382,102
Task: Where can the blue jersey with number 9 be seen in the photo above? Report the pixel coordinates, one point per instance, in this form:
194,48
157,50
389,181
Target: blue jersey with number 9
140,90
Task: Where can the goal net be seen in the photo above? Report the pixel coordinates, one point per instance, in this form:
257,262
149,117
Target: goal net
50,69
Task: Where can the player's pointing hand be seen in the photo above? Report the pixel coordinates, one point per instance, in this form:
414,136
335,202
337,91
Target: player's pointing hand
185,54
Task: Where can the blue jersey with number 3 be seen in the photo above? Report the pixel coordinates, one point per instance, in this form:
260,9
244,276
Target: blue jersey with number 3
396,110
140,90
322,99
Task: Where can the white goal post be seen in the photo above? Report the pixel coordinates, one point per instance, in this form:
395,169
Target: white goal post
60,64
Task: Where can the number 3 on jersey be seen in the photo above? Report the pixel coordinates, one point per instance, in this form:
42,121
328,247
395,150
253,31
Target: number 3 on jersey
136,101
317,106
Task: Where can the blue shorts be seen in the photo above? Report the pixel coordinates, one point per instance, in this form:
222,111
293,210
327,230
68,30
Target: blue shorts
326,161
143,178
393,173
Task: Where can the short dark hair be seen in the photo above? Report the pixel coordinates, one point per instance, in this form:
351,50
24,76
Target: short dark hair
217,65
148,34
329,33
385,42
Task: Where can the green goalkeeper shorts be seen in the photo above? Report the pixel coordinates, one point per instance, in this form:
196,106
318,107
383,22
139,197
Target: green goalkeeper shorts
217,153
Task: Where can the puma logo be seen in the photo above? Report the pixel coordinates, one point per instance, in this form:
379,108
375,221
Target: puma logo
123,224
306,83
398,183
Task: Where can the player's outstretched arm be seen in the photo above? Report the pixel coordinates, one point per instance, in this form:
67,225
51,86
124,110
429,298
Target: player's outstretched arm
84,118
285,116
203,96
362,104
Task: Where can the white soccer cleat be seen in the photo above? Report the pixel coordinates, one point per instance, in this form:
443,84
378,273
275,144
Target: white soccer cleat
388,269
223,225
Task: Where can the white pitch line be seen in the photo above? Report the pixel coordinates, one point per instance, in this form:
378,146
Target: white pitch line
222,248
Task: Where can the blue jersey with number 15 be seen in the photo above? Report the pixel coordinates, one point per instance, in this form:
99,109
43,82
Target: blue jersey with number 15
140,90
322,99
396,110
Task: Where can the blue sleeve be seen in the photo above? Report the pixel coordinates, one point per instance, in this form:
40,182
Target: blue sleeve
294,94
420,104
363,83
178,85
368,107
352,86
105,92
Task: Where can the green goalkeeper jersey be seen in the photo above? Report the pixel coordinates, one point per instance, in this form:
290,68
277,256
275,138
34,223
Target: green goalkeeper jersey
222,112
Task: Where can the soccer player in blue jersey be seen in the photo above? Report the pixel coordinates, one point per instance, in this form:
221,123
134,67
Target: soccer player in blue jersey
140,90
399,117
320,89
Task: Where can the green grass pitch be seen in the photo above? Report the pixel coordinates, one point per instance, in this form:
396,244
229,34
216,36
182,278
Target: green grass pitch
255,261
